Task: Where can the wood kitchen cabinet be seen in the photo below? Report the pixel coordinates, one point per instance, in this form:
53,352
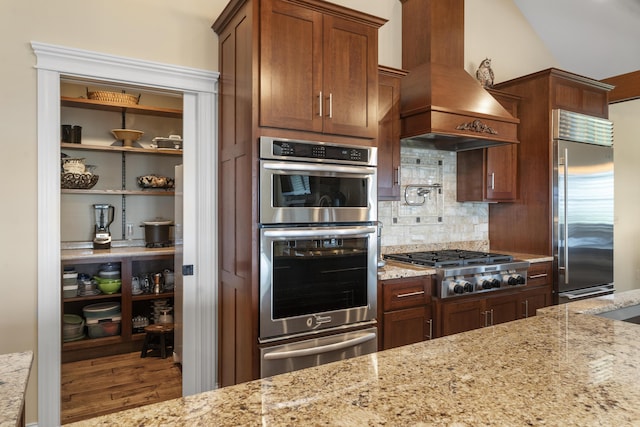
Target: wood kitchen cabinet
490,174
132,262
405,315
389,133
460,315
318,71
539,289
281,61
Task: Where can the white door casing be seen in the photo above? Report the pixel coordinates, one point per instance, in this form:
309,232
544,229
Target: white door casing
199,89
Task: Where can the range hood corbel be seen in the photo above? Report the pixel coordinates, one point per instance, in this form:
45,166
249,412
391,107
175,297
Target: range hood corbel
441,106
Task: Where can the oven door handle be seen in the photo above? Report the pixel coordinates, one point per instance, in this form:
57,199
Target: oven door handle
320,232
325,168
312,351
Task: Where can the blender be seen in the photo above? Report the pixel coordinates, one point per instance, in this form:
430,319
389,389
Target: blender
103,217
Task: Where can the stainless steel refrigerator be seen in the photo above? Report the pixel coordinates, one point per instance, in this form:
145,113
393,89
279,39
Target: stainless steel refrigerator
582,206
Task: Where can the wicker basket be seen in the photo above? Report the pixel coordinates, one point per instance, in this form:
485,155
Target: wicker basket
83,181
118,97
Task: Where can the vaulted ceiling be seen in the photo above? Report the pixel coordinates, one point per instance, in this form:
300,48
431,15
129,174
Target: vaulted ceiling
593,38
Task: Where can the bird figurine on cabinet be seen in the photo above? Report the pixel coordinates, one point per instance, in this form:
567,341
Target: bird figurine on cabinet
484,74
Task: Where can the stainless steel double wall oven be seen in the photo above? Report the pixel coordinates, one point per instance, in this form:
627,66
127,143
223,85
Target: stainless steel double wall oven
318,266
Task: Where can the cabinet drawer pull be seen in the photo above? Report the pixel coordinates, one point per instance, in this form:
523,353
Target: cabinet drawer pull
330,105
320,102
538,276
430,322
410,294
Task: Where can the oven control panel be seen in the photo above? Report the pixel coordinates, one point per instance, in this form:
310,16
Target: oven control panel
280,148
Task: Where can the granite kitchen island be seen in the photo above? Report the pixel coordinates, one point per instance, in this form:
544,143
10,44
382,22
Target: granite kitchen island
15,369
562,367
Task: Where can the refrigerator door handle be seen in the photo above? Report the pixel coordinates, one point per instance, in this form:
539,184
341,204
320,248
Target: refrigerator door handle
572,296
566,224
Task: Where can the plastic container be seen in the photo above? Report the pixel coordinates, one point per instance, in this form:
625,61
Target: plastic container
103,310
70,291
100,328
69,277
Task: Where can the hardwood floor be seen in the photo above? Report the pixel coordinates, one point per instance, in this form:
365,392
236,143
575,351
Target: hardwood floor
109,384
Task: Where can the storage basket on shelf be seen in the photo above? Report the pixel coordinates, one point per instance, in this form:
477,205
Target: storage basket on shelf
109,96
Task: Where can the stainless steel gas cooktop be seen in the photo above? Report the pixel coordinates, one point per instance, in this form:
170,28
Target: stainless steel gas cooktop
461,272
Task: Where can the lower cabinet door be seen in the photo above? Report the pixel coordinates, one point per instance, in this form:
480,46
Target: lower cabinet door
462,316
408,326
501,309
533,299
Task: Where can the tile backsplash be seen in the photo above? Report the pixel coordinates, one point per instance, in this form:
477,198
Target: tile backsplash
429,217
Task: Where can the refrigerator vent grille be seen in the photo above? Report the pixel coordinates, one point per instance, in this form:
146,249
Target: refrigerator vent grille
570,126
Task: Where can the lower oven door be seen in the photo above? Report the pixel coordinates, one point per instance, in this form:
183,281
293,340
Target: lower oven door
280,358
315,278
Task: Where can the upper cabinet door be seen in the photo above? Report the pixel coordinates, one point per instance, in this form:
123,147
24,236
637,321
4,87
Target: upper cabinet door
318,72
350,79
290,66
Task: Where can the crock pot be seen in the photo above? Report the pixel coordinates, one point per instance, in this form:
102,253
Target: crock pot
156,231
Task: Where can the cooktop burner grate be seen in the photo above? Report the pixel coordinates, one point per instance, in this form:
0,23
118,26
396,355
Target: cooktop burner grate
450,258
158,244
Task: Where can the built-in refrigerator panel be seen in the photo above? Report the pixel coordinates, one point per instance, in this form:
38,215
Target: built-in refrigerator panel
178,262
582,206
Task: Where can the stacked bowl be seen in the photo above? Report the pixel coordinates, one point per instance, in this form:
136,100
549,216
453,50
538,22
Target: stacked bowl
72,327
108,278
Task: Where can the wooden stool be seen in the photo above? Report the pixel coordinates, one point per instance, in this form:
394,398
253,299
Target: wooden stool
158,337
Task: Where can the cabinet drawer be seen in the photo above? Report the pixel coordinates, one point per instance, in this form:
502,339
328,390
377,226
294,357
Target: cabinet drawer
404,293
539,274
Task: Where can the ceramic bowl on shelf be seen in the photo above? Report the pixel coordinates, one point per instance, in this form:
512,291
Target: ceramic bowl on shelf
127,136
108,286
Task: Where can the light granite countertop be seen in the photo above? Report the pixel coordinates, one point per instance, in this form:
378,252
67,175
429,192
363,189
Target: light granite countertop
116,252
14,375
397,270
561,367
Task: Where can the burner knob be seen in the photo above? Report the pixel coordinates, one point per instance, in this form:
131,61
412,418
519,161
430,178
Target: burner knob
520,280
495,283
512,281
486,284
456,288
468,287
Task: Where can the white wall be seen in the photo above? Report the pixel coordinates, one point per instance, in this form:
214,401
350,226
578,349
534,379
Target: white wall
174,32
626,231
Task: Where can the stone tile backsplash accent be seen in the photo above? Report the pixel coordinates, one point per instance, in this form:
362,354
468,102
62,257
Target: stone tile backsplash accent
434,220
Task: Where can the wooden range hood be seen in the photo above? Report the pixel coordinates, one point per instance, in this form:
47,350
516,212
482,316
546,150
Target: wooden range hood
441,106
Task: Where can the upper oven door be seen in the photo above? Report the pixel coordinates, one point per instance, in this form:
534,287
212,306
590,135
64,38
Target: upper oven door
314,278
308,193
